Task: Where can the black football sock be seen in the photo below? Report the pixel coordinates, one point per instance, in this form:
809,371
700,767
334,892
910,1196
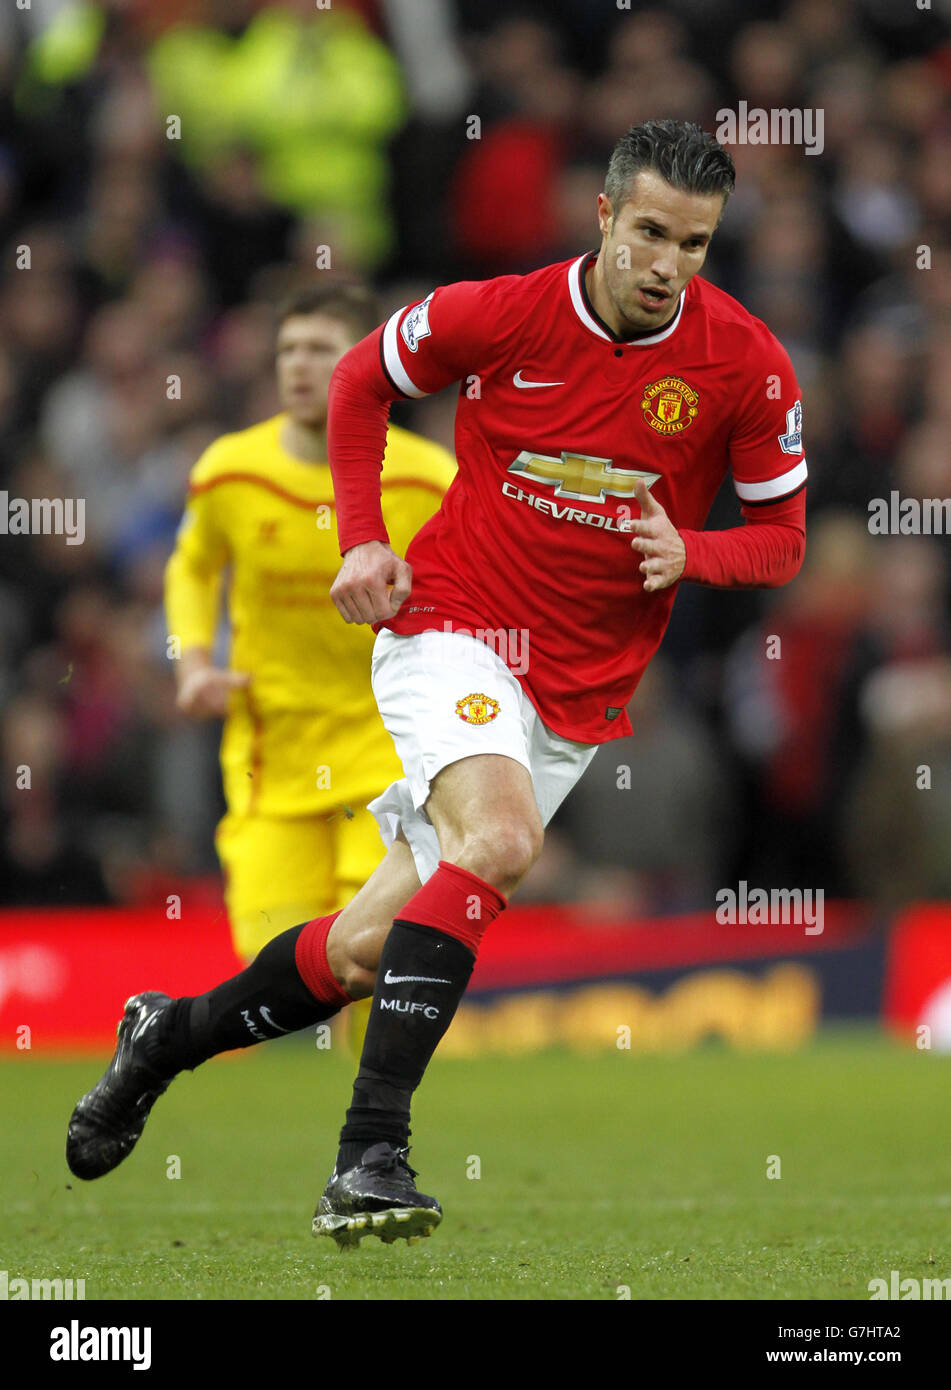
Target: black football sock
266,1000
420,980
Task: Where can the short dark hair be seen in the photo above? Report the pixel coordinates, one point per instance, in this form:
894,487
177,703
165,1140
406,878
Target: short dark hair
346,301
683,154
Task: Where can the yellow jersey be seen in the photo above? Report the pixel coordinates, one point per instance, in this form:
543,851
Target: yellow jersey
305,736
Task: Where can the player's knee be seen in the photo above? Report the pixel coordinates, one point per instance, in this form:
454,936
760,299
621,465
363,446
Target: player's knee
502,852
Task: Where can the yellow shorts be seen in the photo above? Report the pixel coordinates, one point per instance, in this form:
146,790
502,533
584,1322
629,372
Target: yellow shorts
281,871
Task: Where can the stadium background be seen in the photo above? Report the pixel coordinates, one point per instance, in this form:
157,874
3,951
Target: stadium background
351,128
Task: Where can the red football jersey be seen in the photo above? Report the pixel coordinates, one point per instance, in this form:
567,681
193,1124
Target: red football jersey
557,417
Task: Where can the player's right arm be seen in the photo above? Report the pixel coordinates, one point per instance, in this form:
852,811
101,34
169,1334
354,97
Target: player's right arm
420,349
193,581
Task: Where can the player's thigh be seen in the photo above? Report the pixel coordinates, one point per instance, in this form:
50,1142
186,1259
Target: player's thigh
278,872
446,697
459,721
486,816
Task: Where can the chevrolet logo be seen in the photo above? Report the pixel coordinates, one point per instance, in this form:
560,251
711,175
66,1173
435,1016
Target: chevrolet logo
580,476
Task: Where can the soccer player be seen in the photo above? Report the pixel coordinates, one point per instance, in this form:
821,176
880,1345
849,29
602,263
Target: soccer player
303,747
602,402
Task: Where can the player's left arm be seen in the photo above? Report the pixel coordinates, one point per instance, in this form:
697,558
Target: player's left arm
769,475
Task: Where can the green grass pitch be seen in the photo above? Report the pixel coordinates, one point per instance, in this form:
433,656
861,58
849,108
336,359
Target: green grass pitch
597,1175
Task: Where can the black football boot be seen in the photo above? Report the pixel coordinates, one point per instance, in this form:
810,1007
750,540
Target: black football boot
108,1122
378,1197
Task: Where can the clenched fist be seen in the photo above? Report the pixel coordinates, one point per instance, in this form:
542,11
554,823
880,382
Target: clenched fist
372,583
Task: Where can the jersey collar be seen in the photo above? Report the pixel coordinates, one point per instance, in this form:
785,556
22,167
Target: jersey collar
585,310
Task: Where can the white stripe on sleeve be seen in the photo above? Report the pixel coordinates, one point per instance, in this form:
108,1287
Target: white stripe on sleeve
391,356
772,488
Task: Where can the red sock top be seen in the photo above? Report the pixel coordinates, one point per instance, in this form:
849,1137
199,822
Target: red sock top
310,957
456,902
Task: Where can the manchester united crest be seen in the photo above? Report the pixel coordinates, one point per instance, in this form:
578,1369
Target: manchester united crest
670,406
477,709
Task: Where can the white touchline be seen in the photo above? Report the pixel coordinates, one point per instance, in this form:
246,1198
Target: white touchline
389,979
517,381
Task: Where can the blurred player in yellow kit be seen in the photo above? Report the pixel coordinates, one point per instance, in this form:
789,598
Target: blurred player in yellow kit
304,748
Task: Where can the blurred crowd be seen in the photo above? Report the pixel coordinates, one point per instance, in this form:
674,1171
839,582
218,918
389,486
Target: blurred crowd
168,168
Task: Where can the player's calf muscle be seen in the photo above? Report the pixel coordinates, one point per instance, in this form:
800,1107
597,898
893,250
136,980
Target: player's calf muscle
356,939
355,959
354,946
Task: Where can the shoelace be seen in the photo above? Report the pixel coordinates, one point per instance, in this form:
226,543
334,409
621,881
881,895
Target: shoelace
394,1160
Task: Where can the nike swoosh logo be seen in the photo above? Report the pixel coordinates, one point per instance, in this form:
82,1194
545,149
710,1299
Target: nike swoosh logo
517,381
389,979
265,1013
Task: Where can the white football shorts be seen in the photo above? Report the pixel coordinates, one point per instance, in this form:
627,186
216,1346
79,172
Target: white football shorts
445,696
